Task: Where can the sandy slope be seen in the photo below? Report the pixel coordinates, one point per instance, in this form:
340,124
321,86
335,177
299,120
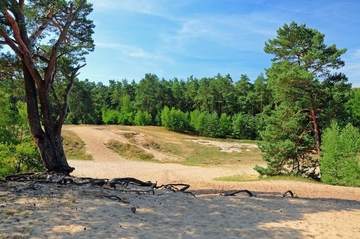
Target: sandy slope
107,164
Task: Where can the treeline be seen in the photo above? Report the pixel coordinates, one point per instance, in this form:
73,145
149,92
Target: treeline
211,106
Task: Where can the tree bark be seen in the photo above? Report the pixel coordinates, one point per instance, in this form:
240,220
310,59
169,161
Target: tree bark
47,139
316,130
52,153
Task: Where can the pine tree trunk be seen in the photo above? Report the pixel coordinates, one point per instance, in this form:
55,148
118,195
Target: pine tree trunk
52,153
48,138
316,131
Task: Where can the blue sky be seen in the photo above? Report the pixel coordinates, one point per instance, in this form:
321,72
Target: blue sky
181,38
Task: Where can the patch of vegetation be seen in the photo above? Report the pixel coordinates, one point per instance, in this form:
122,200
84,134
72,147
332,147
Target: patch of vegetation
129,135
246,177
129,151
291,178
74,147
237,178
187,152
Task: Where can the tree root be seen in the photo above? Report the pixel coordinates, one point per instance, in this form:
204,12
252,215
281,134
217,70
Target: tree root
239,191
128,184
63,180
288,192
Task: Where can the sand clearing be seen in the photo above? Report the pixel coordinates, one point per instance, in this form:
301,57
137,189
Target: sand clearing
321,211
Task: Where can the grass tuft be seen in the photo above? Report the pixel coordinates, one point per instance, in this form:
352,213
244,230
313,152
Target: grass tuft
129,151
74,147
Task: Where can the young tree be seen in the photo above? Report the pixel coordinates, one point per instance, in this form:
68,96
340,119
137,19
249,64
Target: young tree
301,62
50,38
340,162
353,107
224,127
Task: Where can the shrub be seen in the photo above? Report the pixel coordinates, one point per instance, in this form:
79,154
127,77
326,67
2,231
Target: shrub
339,163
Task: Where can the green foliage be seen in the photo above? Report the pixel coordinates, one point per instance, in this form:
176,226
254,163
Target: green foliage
306,94
210,127
110,116
27,157
224,126
7,161
286,146
193,124
353,107
18,152
244,126
142,118
126,112
82,106
340,164
174,120
148,98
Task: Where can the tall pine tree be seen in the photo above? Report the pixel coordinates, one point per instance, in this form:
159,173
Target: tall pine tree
301,63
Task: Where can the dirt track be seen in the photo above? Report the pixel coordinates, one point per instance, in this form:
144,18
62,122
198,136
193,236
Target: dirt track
107,164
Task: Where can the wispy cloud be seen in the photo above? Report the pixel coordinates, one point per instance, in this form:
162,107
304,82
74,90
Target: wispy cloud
203,38
133,51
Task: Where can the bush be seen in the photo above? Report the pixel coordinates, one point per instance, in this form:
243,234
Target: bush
224,128
110,116
211,123
142,118
18,152
244,126
339,163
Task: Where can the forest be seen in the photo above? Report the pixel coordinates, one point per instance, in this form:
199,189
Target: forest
302,110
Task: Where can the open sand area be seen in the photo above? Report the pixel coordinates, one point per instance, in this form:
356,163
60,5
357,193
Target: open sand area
53,211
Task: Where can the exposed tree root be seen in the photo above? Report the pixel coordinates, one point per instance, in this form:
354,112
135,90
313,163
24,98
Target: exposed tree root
130,185
127,184
239,191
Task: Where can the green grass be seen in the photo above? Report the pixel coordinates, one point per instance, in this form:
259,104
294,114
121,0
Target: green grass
238,178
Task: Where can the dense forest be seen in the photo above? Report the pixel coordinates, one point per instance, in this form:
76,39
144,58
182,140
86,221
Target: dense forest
302,110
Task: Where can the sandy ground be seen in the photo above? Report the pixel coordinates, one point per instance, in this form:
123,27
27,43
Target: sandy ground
50,211
107,164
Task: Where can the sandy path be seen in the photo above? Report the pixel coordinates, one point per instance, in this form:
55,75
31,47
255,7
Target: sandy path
107,164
